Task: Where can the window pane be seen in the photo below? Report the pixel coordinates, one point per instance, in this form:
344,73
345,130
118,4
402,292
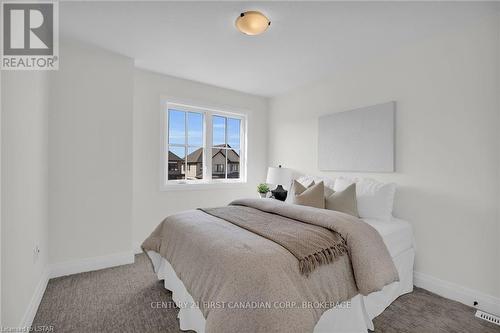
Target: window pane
176,127
176,162
195,163
233,132
195,129
233,163
218,163
219,131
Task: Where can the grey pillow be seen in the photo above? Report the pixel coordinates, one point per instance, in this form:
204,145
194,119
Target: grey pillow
343,201
313,195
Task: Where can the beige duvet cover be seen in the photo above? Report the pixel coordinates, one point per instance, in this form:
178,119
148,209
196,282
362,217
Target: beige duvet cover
244,282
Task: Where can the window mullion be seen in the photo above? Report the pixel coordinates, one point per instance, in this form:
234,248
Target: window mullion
242,168
208,137
225,144
185,144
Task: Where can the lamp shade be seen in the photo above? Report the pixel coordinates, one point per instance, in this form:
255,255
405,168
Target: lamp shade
279,176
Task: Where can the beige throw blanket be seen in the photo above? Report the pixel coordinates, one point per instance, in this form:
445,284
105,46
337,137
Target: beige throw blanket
244,282
312,245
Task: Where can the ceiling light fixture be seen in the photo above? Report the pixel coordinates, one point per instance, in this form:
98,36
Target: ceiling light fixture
252,23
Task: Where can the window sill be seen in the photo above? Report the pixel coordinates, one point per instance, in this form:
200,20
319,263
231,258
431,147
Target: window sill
189,186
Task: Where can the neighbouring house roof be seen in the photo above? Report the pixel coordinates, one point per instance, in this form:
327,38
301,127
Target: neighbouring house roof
232,156
197,155
173,157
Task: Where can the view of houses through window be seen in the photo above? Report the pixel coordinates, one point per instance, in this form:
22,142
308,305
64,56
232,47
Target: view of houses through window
187,143
225,147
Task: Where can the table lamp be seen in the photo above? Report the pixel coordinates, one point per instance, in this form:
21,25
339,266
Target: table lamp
279,176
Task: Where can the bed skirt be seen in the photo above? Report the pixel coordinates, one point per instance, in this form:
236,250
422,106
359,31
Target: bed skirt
356,318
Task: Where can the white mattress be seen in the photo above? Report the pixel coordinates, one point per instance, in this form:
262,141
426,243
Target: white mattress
396,233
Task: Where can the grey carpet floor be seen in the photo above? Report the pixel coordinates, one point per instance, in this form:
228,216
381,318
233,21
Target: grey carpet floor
119,300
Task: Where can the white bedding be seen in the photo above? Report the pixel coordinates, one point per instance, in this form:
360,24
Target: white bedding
397,234
398,237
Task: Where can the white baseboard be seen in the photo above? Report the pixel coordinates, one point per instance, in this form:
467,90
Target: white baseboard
30,313
457,293
91,264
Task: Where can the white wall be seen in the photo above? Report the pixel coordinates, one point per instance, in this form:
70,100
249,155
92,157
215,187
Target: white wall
447,154
498,108
151,205
90,154
1,261
24,189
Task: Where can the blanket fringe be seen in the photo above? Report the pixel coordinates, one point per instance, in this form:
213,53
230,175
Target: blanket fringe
325,256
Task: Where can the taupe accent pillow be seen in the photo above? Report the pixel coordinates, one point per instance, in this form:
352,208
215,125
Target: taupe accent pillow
298,188
313,195
343,201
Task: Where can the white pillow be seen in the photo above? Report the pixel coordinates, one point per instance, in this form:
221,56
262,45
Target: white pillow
341,183
375,199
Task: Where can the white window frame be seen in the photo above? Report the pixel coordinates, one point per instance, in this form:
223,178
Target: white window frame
208,112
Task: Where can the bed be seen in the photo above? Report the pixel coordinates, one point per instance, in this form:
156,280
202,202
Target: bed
353,313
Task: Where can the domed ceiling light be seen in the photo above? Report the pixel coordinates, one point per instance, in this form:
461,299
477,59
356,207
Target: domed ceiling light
252,23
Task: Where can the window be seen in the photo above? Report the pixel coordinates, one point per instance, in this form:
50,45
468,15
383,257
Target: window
202,146
185,145
226,137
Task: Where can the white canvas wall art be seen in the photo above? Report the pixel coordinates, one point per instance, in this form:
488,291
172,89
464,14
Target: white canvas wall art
358,140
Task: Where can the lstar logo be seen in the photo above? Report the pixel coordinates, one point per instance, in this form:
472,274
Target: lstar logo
30,36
